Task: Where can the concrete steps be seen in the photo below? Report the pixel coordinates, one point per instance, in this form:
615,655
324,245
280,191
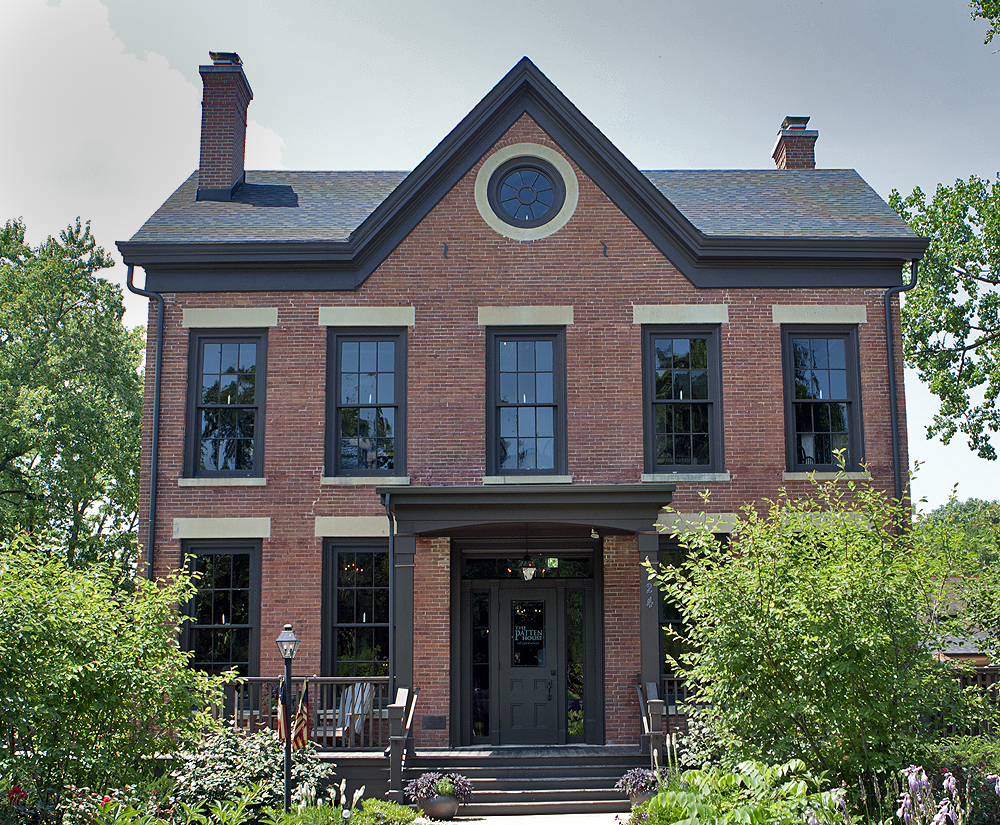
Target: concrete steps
535,780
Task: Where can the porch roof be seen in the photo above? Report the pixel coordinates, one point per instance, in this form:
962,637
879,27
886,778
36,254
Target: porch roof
609,508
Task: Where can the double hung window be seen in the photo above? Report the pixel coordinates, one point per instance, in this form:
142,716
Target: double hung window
223,633
366,391
226,406
822,398
682,387
526,402
356,610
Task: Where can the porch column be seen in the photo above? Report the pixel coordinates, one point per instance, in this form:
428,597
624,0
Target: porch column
649,611
404,549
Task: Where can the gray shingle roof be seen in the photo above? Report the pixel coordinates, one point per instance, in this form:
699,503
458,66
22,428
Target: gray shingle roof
822,203
272,206
329,206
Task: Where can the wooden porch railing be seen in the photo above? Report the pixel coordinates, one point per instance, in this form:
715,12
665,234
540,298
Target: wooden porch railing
345,713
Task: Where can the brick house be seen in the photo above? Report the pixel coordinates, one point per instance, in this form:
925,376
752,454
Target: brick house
519,351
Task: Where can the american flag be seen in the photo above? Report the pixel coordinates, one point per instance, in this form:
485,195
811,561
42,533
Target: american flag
300,727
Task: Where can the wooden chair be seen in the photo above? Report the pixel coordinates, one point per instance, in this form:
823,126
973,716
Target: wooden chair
355,708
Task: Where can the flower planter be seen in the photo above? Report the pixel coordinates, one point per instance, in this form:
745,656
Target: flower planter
639,798
438,807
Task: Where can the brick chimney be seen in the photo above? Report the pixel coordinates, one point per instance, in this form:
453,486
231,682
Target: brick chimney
796,146
223,126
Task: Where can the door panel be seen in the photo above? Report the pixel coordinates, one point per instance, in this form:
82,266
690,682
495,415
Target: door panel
530,666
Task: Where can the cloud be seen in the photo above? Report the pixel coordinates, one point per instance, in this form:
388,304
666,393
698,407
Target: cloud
92,130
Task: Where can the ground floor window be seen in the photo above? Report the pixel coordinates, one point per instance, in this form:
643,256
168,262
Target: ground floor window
223,633
356,610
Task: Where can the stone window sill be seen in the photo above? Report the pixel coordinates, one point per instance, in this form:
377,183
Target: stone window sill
222,482
364,481
682,478
823,476
527,479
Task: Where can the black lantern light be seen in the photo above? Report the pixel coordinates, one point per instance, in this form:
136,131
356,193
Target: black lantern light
288,644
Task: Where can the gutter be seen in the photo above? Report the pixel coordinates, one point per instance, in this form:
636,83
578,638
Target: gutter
154,447
897,471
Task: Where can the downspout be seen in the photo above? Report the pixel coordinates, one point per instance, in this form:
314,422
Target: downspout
897,471
154,446
392,599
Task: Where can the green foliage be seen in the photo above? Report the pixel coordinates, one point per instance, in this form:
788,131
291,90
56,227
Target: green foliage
92,682
812,634
970,530
951,319
383,812
971,759
70,398
750,792
226,761
988,10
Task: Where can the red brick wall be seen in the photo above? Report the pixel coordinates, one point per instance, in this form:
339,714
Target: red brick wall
445,387
431,636
622,576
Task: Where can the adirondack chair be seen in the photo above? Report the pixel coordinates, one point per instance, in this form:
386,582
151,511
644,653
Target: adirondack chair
355,708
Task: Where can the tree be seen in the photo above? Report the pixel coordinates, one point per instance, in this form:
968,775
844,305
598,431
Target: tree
812,634
93,684
970,529
988,10
70,398
951,319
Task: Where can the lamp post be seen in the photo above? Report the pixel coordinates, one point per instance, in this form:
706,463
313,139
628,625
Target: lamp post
288,644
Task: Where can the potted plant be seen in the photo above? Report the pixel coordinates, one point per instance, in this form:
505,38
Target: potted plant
640,784
438,795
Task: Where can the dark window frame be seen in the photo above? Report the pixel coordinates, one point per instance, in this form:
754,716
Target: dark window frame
192,549
712,334
530,164
198,338
328,613
494,336
855,419
335,339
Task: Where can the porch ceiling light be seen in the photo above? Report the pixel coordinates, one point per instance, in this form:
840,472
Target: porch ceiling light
287,643
527,567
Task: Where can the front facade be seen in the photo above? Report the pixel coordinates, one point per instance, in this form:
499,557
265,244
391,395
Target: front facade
384,395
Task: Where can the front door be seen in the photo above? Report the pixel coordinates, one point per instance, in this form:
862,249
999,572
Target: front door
529,666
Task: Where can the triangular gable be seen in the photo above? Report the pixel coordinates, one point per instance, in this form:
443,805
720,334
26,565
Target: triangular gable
705,261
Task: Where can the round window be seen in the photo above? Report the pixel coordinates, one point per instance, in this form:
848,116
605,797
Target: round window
526,192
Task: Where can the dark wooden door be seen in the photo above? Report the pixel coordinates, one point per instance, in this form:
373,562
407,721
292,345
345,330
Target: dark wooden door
530,666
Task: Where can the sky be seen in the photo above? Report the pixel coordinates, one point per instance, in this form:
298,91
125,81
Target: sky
100,102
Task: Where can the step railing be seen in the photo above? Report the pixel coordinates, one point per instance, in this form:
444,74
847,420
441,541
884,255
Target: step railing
400,738
345,713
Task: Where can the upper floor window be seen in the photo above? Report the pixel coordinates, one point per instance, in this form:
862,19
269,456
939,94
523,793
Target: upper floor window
526,402
226,411
682,387
223,633
822,398
366,399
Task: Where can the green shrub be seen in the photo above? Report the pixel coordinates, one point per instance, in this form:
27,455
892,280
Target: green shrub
227,762
811,635
383,812
748,793
971,759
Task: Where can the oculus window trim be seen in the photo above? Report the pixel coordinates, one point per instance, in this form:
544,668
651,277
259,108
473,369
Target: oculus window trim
366,402
526,401
822,388
225,417
682,399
